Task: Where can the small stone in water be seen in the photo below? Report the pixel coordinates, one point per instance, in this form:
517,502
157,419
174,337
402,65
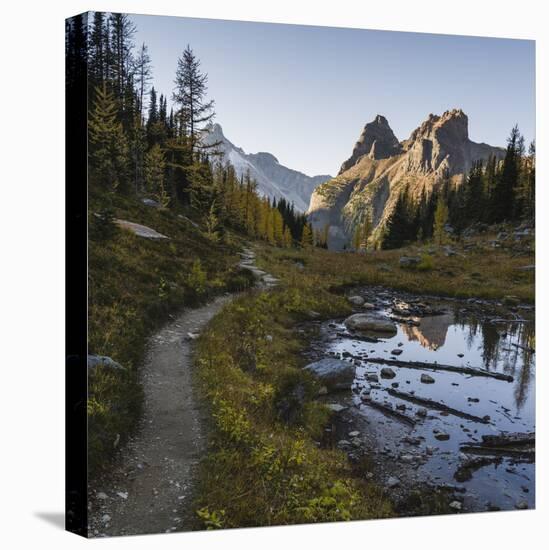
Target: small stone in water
426,379
396,352
442,436
354,434
386,372
455,505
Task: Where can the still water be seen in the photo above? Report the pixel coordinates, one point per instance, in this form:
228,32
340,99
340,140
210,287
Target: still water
460,336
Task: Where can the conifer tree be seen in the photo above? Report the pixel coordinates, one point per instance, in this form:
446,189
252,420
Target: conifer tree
504,195
307,236
155,166
143,74
195,111
107,142
441,217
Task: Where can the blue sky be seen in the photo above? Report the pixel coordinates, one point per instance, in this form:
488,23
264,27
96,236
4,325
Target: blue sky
304,93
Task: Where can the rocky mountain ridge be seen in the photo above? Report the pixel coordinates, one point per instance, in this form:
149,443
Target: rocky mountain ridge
380,168
274,180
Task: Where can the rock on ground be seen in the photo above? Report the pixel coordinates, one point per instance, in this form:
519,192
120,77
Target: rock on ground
333,373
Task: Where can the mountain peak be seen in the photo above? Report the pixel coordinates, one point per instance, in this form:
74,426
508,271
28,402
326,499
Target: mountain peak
376,140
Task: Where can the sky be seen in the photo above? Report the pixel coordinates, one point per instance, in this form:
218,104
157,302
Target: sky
304,93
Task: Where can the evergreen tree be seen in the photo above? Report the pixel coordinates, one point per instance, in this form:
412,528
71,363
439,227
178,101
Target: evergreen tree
307,236
98,51
441,217
107,142
195,111
122,31
504,195
143,74
397,229
155,166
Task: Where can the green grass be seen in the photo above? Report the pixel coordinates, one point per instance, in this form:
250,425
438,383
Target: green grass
135,284
484,272
264,466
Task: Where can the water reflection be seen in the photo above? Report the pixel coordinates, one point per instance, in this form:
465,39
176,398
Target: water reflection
431,333
461,337
505,347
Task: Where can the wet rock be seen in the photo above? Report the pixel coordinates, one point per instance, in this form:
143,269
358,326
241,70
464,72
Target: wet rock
473,399
333,373
392,482
460,355
394,384
354,434
427,379
387,372
370,323
455,505
442,436
343,444
421,412
372,378
356,300
407,459
192,335
396,352
368,306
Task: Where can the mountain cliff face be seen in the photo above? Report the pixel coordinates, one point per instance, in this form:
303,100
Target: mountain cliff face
273,179
380,168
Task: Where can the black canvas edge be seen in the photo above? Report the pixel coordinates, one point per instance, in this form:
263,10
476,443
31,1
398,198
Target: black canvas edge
76,259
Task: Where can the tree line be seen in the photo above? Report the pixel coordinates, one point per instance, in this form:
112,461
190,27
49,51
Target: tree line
139,148
494,191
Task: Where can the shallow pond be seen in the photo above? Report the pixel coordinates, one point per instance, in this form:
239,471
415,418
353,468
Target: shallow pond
453,410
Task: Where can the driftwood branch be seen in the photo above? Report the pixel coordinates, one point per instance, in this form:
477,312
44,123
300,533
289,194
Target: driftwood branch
438,366
390,412
509,444
430,404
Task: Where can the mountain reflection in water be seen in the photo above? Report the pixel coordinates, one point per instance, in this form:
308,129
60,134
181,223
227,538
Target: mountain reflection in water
503,347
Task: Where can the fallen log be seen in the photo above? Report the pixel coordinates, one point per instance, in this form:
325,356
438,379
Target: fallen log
390,412
528,453
430,404
509,439
509,444
438,366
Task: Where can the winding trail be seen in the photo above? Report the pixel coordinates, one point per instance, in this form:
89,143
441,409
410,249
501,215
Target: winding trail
150,488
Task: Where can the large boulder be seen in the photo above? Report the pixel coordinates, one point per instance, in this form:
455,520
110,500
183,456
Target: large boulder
367,322
333,373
